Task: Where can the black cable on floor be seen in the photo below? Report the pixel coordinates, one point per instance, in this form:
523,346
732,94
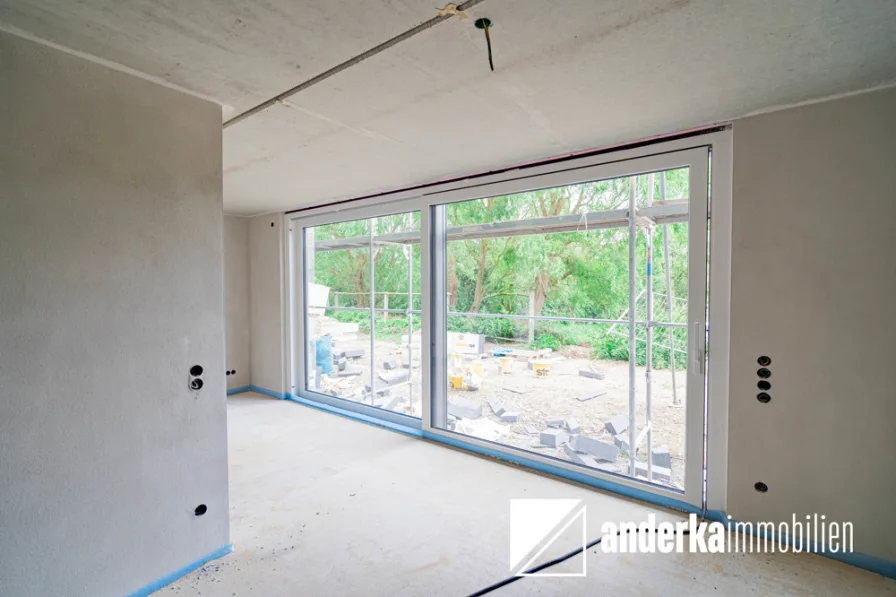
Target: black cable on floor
557,560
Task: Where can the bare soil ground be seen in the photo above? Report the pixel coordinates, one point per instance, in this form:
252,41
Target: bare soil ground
537,399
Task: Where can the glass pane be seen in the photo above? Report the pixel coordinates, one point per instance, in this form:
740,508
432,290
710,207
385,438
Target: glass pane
346,310
550,370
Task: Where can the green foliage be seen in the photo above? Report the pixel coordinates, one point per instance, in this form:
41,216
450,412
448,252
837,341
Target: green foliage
580,274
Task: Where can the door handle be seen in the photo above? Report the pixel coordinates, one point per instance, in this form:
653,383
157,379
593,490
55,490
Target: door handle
697,358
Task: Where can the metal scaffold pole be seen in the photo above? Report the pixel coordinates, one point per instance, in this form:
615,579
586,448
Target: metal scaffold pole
632,235
371,255
648,374
669,293
410,253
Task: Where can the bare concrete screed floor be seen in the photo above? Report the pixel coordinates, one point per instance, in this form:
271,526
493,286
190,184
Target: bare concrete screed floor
323,505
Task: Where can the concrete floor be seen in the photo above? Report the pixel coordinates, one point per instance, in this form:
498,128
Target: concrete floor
322,505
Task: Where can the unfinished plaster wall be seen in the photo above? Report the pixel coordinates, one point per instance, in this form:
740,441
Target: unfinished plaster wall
813,284
267,327
236,300
112,286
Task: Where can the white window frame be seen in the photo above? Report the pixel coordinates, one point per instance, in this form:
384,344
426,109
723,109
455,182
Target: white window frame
612,164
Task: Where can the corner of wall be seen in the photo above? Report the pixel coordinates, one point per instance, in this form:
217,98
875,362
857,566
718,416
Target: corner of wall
266,321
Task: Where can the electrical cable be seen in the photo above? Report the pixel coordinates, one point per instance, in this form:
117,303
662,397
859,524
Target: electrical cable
443,15
488,42
560,559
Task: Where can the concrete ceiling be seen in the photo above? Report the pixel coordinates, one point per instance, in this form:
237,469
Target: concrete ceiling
569,75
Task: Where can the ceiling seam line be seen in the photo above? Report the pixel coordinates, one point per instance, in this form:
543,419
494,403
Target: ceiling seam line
348,63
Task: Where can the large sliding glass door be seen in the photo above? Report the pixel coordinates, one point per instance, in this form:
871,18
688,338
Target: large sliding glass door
560,317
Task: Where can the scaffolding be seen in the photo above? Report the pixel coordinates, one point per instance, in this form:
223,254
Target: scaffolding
661,212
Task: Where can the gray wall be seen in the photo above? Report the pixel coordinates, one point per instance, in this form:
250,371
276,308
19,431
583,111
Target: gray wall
813,285
111,269
236,299
267,328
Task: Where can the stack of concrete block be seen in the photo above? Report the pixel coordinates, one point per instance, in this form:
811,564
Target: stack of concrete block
617,425
463,408
595,447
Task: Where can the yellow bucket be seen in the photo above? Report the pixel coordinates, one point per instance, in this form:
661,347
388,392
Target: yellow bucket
506,364
456,381
541,369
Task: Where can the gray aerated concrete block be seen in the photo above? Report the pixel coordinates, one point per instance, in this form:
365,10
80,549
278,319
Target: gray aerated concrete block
509,417
395,377
552,437
353,354
595,447
386,402
464,409
660,473
497,407
621,441
554,422
390,364
617,425
591,374
573,426
579,457
661,457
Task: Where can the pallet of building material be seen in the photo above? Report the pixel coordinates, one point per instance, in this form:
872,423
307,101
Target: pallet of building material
592,374
586,397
